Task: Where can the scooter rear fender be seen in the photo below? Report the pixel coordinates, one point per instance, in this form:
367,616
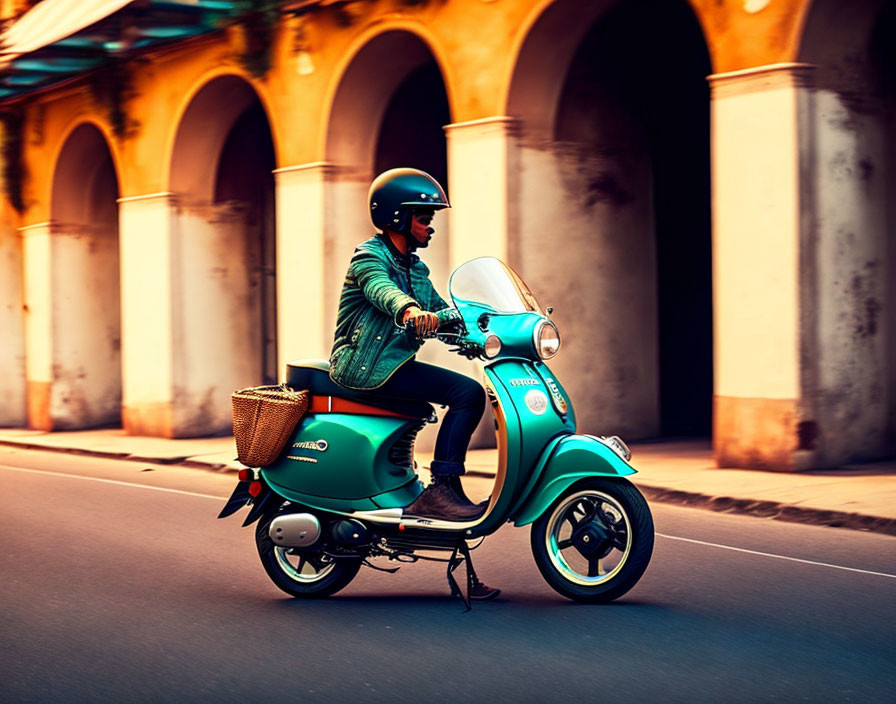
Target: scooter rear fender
569,460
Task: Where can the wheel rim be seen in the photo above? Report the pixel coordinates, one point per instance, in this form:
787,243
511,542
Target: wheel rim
589,538
302,568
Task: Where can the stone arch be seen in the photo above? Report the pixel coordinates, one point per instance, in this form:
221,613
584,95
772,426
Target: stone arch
613,117
389,107
851,171
83,306
222,192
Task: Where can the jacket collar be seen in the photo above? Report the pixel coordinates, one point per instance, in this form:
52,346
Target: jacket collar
397,256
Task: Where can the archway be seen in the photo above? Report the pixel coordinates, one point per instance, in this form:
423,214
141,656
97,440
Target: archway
615,208
85,313
389,111
222,182
853,300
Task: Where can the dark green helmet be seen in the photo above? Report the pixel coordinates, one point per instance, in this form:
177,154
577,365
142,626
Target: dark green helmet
396,192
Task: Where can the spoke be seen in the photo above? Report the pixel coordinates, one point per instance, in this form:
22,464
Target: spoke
594,567
301,564
563,544
606,517
572,520
586,512
315,563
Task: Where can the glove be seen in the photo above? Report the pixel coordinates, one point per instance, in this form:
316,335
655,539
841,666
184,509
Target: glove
424,322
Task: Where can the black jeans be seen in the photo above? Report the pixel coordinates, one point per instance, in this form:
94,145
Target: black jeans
464,397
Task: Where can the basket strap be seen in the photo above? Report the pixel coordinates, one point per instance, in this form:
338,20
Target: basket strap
335,404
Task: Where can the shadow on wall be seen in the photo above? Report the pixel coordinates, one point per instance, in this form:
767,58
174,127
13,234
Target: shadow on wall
616,223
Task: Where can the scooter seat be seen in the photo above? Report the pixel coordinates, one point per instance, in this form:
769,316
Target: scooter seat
314,375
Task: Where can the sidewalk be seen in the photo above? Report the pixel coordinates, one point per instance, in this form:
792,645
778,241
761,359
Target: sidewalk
680,472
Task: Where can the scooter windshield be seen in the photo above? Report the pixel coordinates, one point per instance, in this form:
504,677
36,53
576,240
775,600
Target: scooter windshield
489,283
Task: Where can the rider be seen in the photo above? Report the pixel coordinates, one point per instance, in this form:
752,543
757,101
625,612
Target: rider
387,286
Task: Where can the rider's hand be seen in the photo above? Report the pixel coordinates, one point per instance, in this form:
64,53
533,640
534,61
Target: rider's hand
424,322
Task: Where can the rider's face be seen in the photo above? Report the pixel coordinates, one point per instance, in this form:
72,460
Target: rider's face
420,229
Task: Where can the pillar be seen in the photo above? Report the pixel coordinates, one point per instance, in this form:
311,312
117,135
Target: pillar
762,267
482,184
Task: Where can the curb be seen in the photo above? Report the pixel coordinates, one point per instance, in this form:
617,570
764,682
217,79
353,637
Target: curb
771,509
721,504
183,461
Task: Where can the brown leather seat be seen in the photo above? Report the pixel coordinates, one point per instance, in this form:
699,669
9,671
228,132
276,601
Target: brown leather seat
314,375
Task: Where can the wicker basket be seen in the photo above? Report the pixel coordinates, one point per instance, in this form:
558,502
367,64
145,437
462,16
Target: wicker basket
263,420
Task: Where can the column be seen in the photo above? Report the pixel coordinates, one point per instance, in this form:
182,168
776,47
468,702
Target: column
482,181
759,119
12,325
321,217
146,229
37,256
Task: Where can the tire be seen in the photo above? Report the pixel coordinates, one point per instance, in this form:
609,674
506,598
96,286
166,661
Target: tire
302,574
595,541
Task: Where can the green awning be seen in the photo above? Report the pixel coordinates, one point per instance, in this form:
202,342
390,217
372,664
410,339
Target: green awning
59,39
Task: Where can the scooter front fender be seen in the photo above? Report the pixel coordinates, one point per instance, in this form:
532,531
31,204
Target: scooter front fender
571,459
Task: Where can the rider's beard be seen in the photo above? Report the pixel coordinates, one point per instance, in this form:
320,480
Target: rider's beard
414,243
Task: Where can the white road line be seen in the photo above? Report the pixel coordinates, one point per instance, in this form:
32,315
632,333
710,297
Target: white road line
780,557
113,481
661,535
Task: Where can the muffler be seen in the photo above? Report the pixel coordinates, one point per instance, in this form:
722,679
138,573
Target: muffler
295,530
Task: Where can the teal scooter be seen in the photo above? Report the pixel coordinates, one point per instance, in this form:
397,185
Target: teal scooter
336,496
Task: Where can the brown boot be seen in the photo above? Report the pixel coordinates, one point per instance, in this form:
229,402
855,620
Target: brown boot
439,501
458,489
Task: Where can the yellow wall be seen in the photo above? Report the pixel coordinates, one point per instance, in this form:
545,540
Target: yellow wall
475,42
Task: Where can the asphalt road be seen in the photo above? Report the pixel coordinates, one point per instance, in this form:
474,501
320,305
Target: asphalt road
119,585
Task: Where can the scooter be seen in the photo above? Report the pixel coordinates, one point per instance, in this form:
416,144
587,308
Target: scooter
336,496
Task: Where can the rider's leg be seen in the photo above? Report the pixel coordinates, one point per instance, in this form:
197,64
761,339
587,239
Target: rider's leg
465,399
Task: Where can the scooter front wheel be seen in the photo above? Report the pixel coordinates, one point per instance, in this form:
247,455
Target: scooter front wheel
595,541
302,574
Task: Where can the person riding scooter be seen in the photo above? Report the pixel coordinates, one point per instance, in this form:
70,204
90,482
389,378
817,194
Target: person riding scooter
386,280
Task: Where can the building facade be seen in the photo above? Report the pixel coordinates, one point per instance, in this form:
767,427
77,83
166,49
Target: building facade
701,190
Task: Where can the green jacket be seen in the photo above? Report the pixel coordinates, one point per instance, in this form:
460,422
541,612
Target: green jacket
370,342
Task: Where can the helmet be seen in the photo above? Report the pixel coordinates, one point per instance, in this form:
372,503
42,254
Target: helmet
395,193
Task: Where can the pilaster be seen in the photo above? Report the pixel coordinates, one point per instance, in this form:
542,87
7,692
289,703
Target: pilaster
759,123
482,180
146,224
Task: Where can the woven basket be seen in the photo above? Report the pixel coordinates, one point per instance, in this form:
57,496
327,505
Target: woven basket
263,420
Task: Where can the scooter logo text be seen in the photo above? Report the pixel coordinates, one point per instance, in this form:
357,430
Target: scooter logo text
319,445
524,382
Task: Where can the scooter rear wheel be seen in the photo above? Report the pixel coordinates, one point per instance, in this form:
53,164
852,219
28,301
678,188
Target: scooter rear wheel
302,574
595,541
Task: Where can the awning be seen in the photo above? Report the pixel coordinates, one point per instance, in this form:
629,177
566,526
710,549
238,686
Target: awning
58,39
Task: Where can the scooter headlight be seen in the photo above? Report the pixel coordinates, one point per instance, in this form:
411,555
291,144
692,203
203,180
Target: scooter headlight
547,339
492,346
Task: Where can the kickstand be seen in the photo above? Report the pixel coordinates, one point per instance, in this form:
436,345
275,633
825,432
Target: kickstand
460,556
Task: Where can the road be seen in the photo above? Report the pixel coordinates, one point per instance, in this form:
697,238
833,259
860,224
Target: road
119,585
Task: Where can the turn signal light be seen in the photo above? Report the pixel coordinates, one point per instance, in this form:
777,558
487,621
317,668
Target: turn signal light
254,489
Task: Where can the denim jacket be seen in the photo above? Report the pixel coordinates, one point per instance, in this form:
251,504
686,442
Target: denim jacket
370,342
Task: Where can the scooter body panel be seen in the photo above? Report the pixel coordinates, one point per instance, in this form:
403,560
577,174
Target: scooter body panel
527,421
567,461
347,462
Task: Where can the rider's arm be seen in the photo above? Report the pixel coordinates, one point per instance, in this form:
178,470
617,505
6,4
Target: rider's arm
372,276
436,304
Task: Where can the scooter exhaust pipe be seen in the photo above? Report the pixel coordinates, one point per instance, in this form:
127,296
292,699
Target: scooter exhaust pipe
295,530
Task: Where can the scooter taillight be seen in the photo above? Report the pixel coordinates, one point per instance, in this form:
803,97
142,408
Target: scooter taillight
254,489
245,475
